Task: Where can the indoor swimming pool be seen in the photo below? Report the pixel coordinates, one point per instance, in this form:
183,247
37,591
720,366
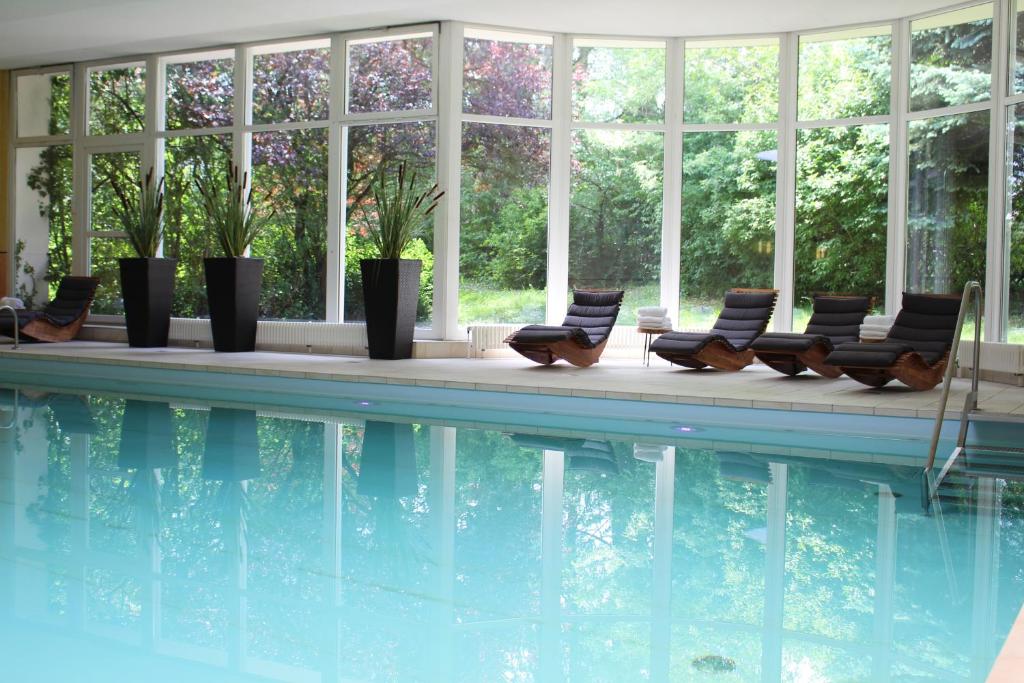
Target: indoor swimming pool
197,538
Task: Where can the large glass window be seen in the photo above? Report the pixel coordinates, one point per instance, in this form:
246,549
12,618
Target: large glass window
845,74
506,74
42,221
731,81
1017,48
114,178
947,202
728,219
392,73
117,99
951,58
1015,228
618,81
289,171
291,83
201,91
615,216
44,104
368,147
504,220
842,192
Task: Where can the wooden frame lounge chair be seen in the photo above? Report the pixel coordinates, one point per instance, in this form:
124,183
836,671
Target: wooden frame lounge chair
727,346
581,337
836,320
916,350
61,319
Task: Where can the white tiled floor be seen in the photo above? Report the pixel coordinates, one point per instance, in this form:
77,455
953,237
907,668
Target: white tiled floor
755,386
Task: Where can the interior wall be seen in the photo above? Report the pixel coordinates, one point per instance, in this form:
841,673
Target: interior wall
5,148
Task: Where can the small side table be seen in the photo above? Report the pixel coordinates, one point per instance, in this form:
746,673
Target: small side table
649,332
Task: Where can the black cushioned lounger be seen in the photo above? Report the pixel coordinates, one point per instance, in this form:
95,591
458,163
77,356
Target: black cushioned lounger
61,319
835,320
916,350
581,337
727,345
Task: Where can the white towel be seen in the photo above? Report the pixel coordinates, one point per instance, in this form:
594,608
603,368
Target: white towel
651,311
886,320
13,302
656,323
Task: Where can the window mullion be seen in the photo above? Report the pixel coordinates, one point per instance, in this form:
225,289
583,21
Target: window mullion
673,178
997,283
559,188
785,192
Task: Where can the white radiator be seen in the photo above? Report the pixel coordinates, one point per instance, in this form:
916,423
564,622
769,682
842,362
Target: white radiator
281,335
999,362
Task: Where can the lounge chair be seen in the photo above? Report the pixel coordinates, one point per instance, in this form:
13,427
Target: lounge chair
916,350
581,337
727,345
61,319
835,320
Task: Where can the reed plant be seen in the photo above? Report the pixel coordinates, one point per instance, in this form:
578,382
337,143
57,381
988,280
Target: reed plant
399,211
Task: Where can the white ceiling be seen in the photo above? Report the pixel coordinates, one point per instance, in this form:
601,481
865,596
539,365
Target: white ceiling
38,32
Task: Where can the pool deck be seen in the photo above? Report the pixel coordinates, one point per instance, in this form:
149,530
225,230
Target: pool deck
755,387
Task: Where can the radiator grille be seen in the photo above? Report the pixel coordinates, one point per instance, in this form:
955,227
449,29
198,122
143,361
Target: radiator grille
281,335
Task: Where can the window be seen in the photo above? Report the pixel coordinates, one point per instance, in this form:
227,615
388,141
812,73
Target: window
951,58
201,91
728,219
291,83
506,74
114,178
42,220
615,215
842,191
368,147
44,104
504,221
731,81
289,171
845,74
1015,305
117,99
1017,49
390,74
618,81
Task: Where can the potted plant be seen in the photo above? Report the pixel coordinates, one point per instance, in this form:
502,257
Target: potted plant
147,281
390,283
233,281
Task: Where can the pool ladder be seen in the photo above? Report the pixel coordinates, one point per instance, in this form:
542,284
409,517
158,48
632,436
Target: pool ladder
14,312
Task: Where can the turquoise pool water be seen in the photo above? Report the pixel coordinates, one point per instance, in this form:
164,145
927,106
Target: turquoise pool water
194,540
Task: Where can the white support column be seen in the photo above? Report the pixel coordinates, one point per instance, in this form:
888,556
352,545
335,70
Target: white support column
885,580
661,605
241,141
1000,158
79,504
775,575
153,146
449,176
785,192
337,184
559,183
986,571
331,548
899,168
551,567
81,182
442,478
672,196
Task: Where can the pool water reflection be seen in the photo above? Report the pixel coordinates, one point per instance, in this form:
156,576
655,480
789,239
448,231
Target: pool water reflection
147,541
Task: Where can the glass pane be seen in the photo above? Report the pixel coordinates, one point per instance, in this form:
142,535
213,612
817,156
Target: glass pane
506,74
117,100
845,74
1017,49
291,85
504,219
368,148
728,220
731,81
114,181
289,171
390,74
951,58
1016,228
104,253
201,94
842,193
187,237
44,104
618,81
42,221
615,215
947,202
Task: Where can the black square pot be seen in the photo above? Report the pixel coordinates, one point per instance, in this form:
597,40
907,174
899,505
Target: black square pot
147,289
391,290
147,436
233,292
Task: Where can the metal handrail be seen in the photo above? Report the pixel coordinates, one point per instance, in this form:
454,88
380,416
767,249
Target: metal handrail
972,290
14,415
14,312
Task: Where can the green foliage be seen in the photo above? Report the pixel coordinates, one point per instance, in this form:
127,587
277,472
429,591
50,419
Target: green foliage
399,211
26,290
235,221
142,216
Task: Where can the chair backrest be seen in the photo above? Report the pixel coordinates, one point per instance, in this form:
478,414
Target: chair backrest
595,312
74,296
838,317
927,323
745,316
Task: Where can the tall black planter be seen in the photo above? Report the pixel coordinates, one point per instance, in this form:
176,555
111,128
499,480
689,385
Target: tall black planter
391,290
147,288
233,292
